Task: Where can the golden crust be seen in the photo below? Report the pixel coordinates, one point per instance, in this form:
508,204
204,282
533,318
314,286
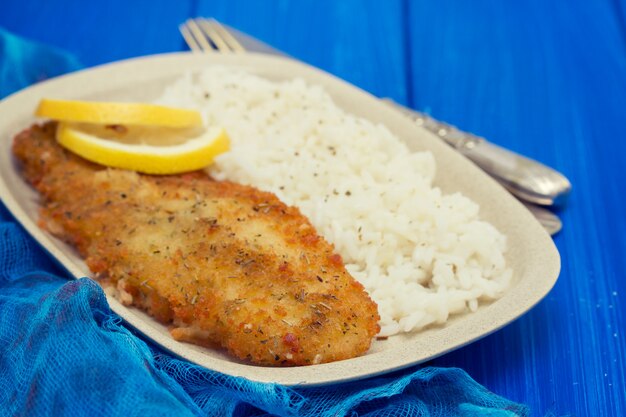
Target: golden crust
222,263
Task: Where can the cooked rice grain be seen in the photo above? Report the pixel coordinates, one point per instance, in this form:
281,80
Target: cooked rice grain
421,254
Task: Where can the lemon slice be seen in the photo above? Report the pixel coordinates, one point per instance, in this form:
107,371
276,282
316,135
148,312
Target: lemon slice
117,113
165,153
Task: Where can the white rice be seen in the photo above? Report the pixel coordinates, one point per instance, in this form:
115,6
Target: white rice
421,255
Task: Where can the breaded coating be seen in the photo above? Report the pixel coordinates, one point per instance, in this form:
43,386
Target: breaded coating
221,263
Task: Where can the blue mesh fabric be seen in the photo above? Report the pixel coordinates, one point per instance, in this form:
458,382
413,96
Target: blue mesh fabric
23,62
63,352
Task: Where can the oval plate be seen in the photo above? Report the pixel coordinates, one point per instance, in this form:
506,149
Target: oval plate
531,254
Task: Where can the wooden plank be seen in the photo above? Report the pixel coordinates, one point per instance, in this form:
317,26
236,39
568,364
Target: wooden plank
358,41
113,30
548,80
545,79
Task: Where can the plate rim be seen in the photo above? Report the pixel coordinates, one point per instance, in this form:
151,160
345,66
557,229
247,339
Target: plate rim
313,375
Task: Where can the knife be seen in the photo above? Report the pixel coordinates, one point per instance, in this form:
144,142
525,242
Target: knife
526,178
517,173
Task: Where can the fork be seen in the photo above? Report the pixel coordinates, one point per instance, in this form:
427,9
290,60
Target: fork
543,186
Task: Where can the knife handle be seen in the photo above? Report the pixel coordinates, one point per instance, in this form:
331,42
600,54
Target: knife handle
528,179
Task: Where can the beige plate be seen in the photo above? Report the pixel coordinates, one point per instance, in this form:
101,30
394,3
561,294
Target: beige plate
531,254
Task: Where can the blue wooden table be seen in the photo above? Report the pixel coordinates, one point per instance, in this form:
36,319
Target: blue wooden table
544,78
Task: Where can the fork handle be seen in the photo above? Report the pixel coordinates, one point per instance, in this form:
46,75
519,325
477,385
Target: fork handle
528,179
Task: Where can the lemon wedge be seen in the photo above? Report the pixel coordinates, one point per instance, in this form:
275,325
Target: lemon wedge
144,149
141,114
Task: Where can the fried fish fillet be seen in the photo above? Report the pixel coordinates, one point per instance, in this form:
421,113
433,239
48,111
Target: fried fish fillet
221,263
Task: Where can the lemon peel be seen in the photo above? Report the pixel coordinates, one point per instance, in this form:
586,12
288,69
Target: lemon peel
195,153
110,113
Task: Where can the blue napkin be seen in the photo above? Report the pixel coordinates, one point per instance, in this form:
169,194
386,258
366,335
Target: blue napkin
24,62
63,352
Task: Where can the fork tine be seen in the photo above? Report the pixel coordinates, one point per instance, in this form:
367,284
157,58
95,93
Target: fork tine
208,35
209,32
226,36
189,38
198,35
